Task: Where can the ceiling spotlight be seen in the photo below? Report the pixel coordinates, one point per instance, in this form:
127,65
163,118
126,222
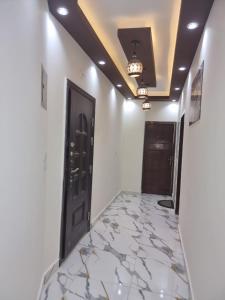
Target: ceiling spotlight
119,85
182,68
135,66
177,89
102,62
63,11
146,105
192,25
174,100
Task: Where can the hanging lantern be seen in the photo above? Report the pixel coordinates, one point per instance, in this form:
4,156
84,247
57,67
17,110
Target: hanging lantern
146,105
135,66
142,90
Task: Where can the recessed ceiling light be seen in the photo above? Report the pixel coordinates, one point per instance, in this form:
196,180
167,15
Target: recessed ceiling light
119,85
174,100
63,11
192,25
177,89
182,68
102,62
129,98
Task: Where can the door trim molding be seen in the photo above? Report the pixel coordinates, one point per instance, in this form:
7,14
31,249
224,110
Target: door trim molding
70,84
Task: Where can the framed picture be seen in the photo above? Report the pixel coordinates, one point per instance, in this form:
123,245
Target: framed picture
196,96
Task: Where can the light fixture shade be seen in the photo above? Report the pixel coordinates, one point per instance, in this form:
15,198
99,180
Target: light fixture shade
146,105
135,67
142,92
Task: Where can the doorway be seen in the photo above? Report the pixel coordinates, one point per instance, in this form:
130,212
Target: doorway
158,158
180,156
78,162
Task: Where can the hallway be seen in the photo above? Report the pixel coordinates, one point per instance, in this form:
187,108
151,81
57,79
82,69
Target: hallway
132,252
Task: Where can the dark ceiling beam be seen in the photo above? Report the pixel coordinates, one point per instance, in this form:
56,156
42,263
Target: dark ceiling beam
144,51
82,32
188,40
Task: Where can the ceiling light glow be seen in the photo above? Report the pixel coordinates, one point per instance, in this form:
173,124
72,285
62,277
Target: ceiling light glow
177,89
192,25
182,68
63,11
102,62
174,100
119,85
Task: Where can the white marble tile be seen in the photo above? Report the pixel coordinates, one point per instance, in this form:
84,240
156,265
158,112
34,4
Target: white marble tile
132,252
116,291
156,276
139,294
85,288
57,287
109,265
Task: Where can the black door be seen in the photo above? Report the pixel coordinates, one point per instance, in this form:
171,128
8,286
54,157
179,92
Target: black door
158,159
78,168
180,165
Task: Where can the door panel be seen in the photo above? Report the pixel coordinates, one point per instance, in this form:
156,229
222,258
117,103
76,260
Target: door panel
158,158
78,168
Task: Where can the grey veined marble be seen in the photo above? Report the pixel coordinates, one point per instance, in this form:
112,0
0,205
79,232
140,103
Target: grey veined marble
133,252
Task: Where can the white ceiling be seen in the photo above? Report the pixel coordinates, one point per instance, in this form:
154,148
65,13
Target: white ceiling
106,16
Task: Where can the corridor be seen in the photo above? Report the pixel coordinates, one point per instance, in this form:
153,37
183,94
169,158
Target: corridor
132,252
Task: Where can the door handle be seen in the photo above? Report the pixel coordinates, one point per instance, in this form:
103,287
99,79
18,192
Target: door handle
74,171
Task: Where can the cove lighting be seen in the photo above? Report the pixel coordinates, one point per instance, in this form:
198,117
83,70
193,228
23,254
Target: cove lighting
63,11
192,25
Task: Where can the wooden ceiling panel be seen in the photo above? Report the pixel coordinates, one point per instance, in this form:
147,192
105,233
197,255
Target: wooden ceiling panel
144,51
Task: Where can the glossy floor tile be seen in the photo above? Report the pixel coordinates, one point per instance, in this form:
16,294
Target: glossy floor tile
132,252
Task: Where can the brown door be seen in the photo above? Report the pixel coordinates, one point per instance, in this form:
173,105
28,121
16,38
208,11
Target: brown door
78,168
158,159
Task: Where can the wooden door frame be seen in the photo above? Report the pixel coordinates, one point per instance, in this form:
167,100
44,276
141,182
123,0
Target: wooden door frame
70,84
179,168
174,145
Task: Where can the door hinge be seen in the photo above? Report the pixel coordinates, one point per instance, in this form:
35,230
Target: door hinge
89,216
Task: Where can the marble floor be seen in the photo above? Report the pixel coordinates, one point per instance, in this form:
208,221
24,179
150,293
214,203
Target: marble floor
132,252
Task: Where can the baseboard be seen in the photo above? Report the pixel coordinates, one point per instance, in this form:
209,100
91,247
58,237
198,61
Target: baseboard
46,276
95,219
187,266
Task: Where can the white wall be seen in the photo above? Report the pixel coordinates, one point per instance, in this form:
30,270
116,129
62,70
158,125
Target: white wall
133,137
30,212
202,220
23,148
65,59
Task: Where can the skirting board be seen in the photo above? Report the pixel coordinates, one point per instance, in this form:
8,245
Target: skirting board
186,263
46,276
95,219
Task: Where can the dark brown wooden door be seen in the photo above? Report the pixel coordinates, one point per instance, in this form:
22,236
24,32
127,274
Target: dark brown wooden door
78,168
158,158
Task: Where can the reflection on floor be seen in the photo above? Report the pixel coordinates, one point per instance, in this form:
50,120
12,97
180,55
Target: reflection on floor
133,252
